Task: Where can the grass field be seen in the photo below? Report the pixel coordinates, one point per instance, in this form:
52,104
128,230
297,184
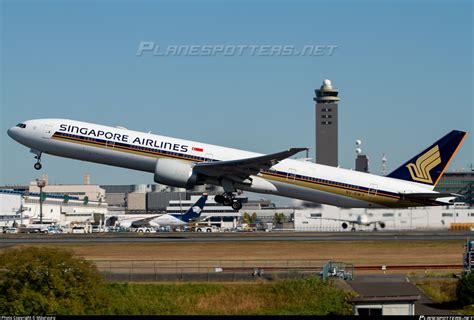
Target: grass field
296,297
358,253
443,293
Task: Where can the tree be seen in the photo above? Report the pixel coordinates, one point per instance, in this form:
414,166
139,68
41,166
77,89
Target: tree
279,218
49,281
254,217
465,289
246,218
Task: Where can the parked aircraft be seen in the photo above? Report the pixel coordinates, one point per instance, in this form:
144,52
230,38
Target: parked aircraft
185,163
361,220
168,220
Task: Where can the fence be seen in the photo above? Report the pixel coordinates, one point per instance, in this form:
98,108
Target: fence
207,270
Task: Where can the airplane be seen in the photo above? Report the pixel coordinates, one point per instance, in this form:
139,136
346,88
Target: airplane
171,220
186,163
361,220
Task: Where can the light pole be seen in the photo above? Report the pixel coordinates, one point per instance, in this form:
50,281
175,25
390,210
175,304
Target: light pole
41,184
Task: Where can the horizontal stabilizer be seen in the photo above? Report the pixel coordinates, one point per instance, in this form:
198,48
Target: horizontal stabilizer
427,195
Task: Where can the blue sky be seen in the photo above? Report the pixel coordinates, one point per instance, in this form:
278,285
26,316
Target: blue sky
404,71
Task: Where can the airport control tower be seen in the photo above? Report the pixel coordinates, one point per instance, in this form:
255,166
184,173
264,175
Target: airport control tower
326,124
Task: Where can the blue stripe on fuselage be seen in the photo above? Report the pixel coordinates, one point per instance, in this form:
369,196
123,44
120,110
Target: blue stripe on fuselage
159,152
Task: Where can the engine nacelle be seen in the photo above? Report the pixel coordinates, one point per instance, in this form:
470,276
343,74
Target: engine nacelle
344,225
175,173
382,224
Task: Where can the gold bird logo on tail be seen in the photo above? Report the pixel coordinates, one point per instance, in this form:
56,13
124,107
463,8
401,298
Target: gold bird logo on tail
420,171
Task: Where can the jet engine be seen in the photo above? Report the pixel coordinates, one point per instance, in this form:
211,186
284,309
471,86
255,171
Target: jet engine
344,225
175,173
382,224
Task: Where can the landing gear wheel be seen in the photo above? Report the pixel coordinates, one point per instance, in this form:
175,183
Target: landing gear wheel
236,205
37,166
228,201
219,198
353,229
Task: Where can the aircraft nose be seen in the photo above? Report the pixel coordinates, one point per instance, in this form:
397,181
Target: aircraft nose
10,132
13,133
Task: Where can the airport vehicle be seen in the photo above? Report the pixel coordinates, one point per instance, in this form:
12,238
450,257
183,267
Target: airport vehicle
79,229
11,230
204,227
468,258
167,220
361,220
144,229
53,229
34,228
97,228
185,163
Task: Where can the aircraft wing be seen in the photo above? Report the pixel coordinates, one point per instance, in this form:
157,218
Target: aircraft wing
244,167
141,221
335,219
353,221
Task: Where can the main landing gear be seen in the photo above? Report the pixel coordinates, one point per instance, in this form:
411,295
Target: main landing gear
228,199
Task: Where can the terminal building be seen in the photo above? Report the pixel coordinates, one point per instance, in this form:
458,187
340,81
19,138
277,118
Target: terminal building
459,182
23,208
328,218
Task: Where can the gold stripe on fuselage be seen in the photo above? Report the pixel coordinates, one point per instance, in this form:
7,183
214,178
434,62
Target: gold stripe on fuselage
376,198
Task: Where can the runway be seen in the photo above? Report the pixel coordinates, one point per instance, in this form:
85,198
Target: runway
8,239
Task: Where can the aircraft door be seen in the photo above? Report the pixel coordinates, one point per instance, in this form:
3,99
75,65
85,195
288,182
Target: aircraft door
291,175
209,157
47,131
101,154
109,144
372,190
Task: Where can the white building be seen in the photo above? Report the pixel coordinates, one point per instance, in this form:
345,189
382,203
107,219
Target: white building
92,192
24,209
319,219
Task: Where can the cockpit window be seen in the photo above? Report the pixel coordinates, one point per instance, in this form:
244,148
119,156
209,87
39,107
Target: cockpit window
21,125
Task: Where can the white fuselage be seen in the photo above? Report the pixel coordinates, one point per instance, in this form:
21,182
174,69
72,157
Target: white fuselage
139,151
164,220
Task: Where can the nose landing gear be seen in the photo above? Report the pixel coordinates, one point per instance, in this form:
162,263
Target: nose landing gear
37,165
228,199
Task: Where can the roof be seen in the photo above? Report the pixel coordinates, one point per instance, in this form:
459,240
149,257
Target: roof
384,291
386,299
